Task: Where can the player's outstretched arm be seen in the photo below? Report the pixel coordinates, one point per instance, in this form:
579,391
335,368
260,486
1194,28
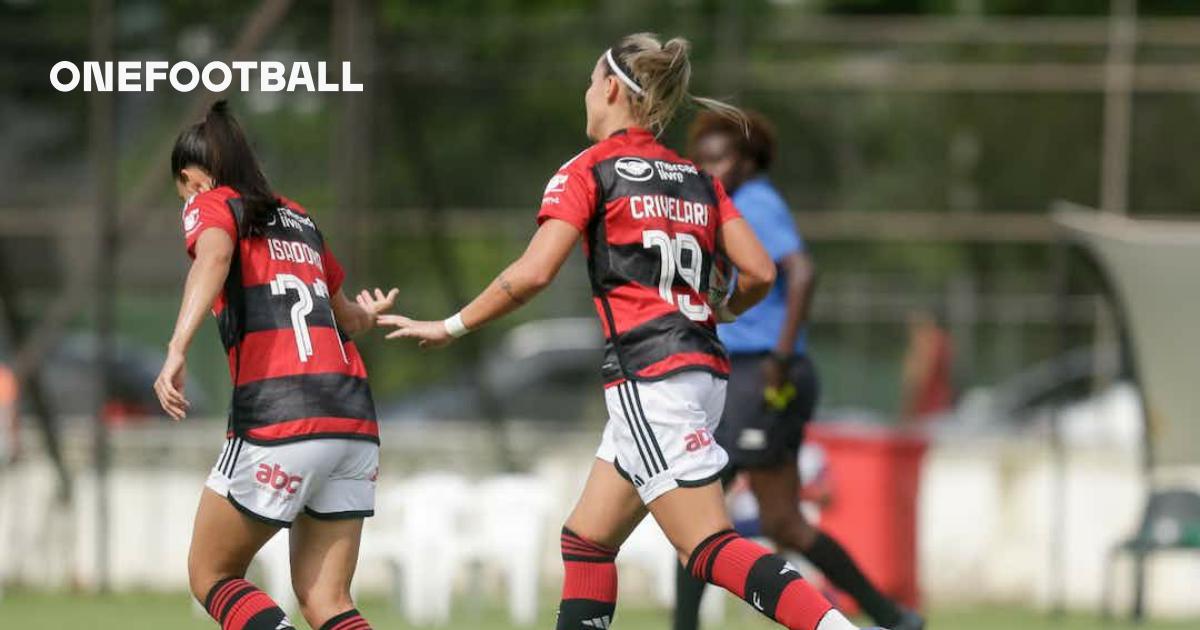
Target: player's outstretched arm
516,285
214,251
359,316
756,270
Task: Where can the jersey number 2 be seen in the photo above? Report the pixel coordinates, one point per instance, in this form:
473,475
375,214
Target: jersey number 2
280,285
680,253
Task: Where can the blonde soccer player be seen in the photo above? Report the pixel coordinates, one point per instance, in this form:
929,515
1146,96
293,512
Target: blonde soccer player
651,224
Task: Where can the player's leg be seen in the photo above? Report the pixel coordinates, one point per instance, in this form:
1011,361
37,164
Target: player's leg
607,512
689,592
776,490
744,399
324,554
775,482
325,538
224,541
694,520
681,489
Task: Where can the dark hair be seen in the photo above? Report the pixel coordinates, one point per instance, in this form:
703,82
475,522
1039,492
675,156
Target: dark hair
755,141
218,145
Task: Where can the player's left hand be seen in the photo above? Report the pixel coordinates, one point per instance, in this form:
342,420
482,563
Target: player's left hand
427,334
377,304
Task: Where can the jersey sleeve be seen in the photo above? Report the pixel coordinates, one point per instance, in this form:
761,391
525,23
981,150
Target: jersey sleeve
334,274
779,235
570,195
726,211
205,212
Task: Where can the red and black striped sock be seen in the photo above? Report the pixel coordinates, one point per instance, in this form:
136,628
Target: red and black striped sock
349,620
589,598
765,580
239,605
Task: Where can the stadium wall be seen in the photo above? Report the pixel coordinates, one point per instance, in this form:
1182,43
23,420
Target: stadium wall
985,528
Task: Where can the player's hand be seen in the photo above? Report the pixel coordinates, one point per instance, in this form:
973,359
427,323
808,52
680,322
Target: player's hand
427,334
774,372
777,391
169,386
377,304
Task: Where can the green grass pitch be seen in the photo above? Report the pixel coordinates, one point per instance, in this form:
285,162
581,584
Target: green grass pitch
42,611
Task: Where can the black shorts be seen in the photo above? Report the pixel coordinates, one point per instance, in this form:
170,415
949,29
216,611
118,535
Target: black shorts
754,435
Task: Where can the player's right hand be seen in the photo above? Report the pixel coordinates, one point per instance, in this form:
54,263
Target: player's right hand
428,334
169,386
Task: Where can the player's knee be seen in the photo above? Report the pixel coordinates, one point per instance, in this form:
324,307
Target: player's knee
319,603
577,547
591,533
201,580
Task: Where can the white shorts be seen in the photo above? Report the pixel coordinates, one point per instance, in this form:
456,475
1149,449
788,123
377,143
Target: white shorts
660,433
327,478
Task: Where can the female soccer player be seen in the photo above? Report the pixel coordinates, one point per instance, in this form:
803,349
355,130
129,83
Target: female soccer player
772,384
651,224
302,447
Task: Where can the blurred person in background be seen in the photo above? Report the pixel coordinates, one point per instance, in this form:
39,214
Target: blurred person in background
302,447
927,378
652,224
815,492
773,385
10,416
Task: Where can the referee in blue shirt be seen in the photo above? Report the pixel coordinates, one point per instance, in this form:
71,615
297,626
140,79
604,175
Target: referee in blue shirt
773,386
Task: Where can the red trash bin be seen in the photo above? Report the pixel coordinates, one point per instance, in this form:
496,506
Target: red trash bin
874,475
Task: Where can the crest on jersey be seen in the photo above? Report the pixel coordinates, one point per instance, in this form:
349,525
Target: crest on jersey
558,183
634,169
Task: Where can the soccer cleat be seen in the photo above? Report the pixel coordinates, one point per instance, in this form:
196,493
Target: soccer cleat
910,620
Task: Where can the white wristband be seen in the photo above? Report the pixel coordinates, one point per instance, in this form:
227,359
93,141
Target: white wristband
455,326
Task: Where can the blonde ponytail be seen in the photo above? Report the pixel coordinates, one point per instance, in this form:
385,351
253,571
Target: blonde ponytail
661,73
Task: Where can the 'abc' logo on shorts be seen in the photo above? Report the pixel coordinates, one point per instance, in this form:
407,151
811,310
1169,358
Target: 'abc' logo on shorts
275,477
634,169
698,439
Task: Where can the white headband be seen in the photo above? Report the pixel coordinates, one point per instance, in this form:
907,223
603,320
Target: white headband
626,79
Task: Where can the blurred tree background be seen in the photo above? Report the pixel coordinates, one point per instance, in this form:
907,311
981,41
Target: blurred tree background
469,106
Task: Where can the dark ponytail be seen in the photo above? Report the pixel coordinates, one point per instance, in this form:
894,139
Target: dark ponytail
218,145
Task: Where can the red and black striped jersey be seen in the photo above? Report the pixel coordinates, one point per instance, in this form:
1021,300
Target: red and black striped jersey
295,375
649,219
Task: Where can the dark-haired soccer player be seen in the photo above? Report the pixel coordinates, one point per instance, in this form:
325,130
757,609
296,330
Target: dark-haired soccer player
302,447
773,383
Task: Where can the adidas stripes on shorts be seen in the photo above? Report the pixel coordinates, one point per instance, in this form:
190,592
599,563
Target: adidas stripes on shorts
660,433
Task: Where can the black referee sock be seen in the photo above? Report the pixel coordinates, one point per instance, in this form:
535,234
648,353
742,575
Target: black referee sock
688,593
837,565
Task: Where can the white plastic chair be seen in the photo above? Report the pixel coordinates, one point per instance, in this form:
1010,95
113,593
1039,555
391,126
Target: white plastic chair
510,532
426,549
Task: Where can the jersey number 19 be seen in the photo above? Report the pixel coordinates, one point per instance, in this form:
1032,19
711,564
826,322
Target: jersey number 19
681,253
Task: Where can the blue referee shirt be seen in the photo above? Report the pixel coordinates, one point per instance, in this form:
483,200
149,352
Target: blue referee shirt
758,329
